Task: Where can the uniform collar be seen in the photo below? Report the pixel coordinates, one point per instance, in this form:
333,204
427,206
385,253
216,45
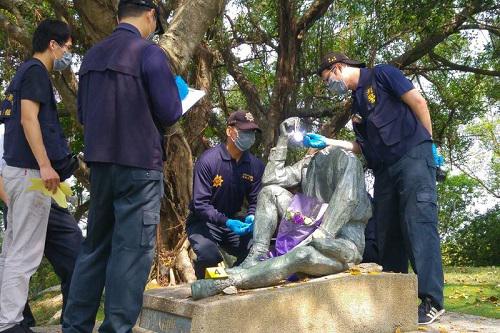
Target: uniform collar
364,78
128,27
224,153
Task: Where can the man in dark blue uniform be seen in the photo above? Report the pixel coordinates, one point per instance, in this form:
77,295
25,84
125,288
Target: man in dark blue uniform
394,133
127,95
223,177
34,147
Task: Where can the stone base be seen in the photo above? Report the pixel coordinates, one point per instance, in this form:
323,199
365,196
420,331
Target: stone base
336,303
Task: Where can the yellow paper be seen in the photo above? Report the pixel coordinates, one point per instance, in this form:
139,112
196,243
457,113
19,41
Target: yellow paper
215,273
63,191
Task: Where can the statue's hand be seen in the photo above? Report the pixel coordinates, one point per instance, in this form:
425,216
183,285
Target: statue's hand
319,234
289,125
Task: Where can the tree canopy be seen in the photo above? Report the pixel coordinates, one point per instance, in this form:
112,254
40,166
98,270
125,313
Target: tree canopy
262,55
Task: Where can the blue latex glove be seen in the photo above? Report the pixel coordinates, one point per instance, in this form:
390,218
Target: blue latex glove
182,87
238,227
313,140
438,159
249,219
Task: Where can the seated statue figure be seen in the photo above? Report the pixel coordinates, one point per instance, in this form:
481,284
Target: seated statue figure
332,176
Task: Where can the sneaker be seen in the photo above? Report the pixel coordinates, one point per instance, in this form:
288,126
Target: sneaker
427,313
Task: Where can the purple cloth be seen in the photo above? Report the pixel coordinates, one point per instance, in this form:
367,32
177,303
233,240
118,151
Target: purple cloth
295,229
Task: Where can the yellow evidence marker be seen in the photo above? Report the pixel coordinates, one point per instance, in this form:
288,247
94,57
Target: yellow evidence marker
215,273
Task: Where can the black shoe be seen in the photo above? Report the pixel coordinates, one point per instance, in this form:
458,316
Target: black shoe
428,313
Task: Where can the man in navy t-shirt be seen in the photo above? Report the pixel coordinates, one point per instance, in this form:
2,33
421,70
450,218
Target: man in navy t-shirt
224,176
34,147
394,133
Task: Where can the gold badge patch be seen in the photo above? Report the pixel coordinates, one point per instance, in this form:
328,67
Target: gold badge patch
249,116
370,94
217,182
248,177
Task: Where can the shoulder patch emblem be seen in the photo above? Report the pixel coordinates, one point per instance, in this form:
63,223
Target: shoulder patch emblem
370,95
249,116
217,182
248,177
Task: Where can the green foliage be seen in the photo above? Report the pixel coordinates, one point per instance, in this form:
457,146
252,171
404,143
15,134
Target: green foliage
455,197
476,243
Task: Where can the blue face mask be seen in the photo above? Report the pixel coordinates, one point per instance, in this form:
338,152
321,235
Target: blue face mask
337,87
64,62
245,140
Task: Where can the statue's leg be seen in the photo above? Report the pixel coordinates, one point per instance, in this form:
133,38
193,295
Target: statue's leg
340,249
302,259
272,203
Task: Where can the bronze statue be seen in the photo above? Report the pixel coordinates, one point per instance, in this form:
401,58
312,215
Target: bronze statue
332,176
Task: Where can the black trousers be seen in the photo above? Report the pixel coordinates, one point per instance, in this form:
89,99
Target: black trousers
62,245
407,227
206,237
118,250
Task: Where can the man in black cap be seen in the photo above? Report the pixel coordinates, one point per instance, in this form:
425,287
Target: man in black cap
224,176
394,133
127,95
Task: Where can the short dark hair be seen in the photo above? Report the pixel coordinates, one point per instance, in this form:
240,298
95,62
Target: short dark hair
131,10
49,30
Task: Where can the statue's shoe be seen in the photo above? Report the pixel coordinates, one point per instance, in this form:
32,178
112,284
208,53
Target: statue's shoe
255,256
206,288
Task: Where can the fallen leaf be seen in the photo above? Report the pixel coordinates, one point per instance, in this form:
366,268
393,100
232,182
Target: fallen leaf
422,328
398,330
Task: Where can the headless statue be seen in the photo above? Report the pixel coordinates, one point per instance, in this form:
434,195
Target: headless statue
332,176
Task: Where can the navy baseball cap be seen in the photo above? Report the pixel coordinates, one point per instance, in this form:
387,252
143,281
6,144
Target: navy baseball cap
332,58
243,120
148,4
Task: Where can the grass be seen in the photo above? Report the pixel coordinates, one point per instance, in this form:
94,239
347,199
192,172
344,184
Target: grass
473,290
470,290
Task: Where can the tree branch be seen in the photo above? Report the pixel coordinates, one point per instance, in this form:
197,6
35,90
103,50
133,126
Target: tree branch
15,32
428,43
187,28
462,68
481,26
62,13
247,88
316,11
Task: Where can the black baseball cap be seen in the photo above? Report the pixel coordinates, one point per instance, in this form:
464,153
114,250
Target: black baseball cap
243,120
148,4
331,58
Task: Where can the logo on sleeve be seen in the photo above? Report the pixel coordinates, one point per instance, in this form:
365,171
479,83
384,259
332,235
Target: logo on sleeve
248,177
217,182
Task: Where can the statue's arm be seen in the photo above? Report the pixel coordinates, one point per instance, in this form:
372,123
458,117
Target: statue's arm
276,173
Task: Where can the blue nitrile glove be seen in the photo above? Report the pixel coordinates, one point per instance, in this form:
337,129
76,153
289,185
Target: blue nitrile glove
249,219
438,159
238,227
182,87
313,140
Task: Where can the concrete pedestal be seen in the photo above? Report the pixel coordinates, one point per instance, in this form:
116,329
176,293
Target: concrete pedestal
337,303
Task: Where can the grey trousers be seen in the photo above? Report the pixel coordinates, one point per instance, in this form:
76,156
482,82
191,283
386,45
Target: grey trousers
23,244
